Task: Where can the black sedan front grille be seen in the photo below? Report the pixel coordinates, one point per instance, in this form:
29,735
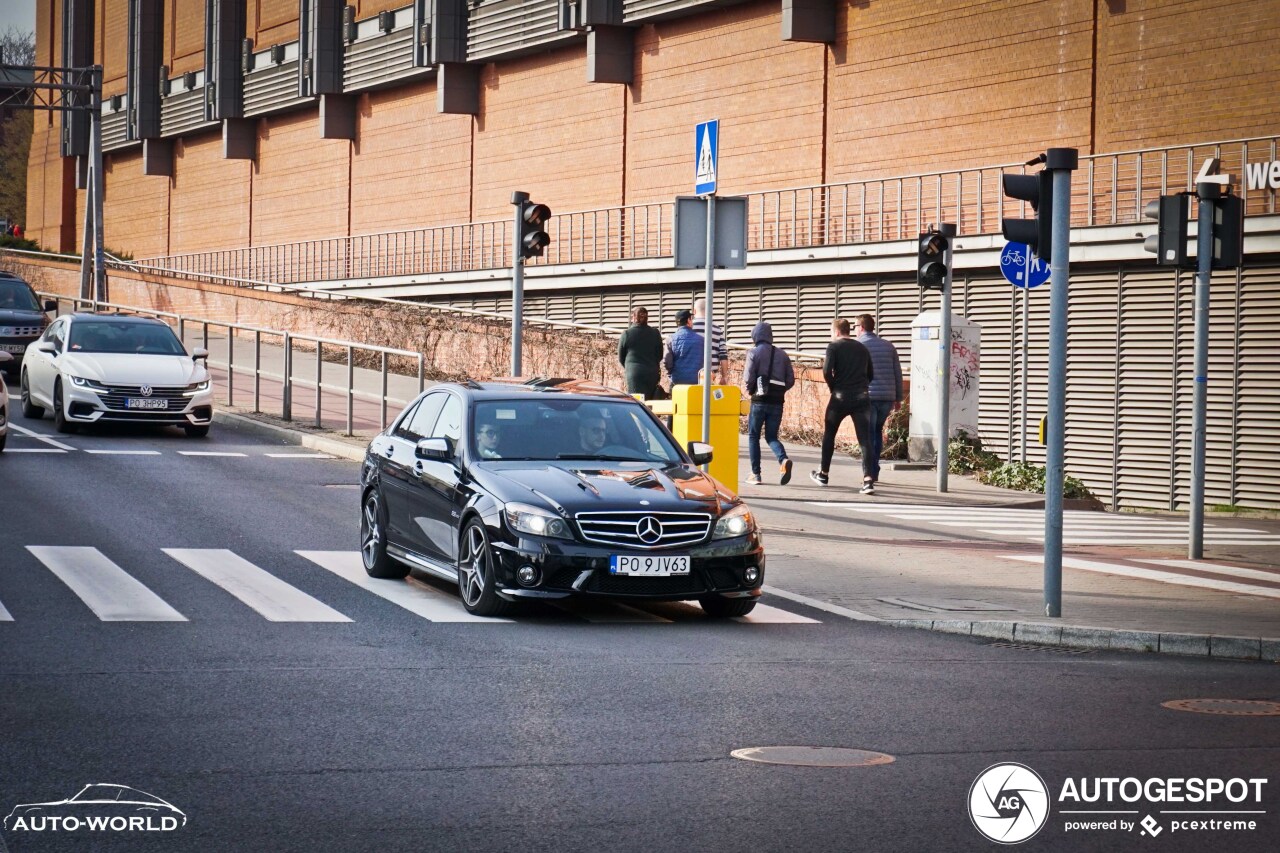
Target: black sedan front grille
625,529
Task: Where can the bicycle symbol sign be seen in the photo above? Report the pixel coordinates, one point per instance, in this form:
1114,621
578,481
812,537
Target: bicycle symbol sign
1021,268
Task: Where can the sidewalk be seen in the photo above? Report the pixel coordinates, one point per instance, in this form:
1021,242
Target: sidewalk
913,576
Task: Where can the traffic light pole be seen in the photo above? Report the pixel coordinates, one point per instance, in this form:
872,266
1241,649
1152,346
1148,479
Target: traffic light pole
517,294
1207,193
944,362
1061,162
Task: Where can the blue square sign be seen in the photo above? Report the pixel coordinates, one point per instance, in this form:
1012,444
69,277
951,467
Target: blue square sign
705,153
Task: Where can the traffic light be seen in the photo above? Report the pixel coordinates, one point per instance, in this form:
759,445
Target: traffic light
1169,243
1036,233
531,218
931,260
1228,231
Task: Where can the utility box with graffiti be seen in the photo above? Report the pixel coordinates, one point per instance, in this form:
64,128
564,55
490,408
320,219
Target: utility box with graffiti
926,369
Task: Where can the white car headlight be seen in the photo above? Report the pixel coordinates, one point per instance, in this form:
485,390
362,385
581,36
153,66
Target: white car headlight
736,522
81,382
536,522
196,388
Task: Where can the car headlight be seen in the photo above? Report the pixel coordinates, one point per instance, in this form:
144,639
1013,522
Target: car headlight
196,388
736,522
536,522
81,382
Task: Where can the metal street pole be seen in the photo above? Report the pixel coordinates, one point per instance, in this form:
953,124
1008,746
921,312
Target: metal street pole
98,185
1026,300
517,292
1061,162
948,232
1207,192
706,326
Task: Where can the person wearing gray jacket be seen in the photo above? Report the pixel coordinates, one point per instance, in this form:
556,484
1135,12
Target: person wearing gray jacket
885,389
768,376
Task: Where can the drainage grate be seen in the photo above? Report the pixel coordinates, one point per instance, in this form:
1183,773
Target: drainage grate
1028,647
1226,707
813,756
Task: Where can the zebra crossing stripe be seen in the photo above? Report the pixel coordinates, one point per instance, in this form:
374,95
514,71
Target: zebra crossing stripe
264,592
417,598
298,455
5,615
40,437
1154,575
109,591
34,450
108,452
208,453
1217,569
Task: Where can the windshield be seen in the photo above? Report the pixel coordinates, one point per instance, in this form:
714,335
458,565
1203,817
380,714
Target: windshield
560,428
16,296
124,336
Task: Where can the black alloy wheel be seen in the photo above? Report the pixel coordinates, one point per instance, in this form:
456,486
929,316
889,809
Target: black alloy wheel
373,540
723,608
194,431
60,422
29,409
476,581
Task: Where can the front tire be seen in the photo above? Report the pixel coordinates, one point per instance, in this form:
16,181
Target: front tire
29,409
196,431
373,540
724,608
476,582
60,422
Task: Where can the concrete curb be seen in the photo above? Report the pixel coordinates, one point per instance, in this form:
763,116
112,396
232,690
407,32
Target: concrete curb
1111,639
292,435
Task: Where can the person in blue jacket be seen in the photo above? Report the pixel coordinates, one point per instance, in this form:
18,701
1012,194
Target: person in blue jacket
684,351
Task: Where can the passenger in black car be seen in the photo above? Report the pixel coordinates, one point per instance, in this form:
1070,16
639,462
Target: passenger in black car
488,439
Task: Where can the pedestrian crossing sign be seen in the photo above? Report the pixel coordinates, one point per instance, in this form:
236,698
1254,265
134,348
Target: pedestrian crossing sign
705,153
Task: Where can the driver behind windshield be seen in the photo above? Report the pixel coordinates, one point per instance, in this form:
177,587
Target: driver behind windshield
487,440
592,434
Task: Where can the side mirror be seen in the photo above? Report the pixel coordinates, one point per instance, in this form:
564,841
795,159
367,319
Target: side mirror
51,305
439,449
199,353
48,347
700,452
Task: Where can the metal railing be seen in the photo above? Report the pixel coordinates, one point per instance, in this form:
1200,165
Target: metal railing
280,373
1108,189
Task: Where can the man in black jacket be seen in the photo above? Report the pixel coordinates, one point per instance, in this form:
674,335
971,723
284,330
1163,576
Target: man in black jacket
848,372
640,352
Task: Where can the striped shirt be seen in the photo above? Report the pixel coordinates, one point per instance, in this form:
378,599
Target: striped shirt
719,349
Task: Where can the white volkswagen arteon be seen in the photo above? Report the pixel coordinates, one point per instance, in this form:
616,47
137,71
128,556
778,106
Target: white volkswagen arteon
91,368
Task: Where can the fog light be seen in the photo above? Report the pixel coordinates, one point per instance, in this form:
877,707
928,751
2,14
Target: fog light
527,576
751,574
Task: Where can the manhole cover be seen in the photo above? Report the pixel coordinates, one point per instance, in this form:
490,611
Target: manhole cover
1230,707
813,756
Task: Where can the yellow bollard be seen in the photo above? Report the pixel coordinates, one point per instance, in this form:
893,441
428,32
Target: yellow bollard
686,424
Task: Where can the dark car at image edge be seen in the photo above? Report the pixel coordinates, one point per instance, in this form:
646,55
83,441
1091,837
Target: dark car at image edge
549,490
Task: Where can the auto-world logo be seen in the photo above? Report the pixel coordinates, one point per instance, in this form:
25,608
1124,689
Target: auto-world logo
1008,803
98,808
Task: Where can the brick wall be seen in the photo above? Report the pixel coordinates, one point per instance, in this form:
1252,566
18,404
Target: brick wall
209,196
272,22
300,181
184,36
112,43
410,166
135,220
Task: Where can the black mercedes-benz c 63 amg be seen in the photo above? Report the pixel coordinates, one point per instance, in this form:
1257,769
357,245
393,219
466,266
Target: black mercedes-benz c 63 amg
548,490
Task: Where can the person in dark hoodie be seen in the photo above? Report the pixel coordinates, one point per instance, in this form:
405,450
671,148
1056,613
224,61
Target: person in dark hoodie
768,377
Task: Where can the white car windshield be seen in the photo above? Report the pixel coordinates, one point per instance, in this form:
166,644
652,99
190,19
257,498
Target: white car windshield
124,336
561,428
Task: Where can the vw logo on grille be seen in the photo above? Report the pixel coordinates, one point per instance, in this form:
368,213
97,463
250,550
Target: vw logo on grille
649,529
146,390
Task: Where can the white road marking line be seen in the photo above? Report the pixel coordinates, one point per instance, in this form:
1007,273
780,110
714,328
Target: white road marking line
5,616
417,598
33,450
1122,532
41,437
261,590
125,452
208,453
298,455
110,592
763,614
1218,569
1153,575
821,605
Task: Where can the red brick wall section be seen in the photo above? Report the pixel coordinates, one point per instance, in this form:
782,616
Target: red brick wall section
112,44
545,130
929,86
370,8
728,64
209,197
184,36
135,218
1172,73
411,165
272,22
299,181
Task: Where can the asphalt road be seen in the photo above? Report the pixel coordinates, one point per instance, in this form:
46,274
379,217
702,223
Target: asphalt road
565,729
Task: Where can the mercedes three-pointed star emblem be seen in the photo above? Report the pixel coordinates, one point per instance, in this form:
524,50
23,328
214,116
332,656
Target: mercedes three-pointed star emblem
649,529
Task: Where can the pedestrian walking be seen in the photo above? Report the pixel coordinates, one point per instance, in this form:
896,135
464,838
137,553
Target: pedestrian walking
684,351
885,390
640,353
848,372
768,376
719,348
